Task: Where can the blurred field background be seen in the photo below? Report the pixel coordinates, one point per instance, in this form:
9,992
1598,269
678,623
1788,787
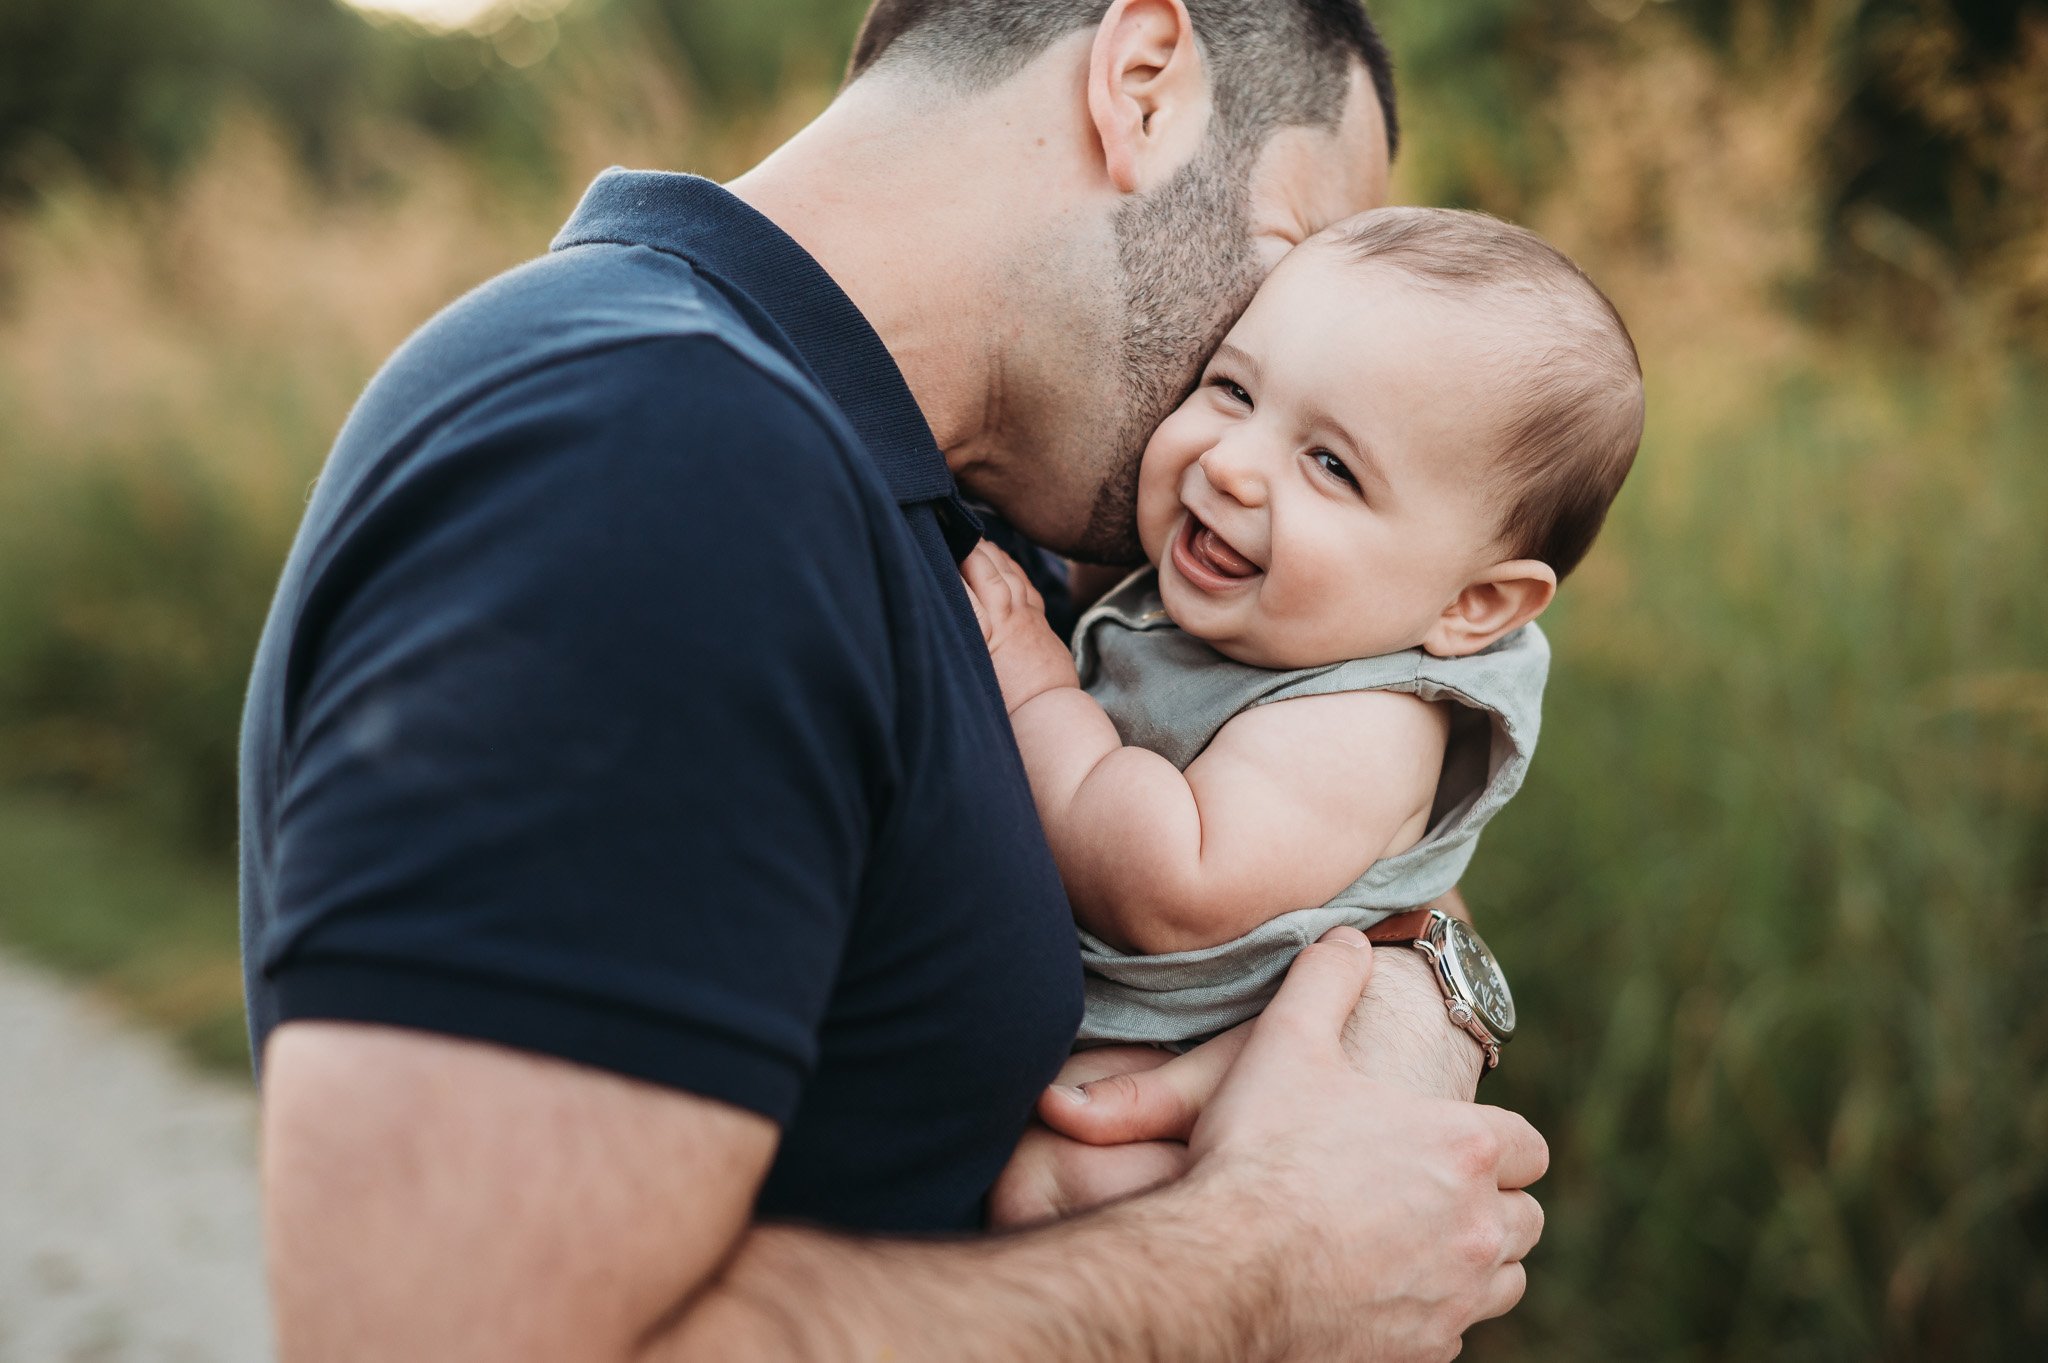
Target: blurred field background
1773,901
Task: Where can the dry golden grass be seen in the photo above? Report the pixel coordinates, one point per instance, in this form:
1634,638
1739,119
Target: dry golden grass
1774,898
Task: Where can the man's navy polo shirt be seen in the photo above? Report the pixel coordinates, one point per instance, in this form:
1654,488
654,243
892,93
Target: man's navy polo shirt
621,702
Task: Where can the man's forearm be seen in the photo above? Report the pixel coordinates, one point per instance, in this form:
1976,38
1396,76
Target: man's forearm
1400,1031
431,1198
405,1219
1172,1275
1113,1284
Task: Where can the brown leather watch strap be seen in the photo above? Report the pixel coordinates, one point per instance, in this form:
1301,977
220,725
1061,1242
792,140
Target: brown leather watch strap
1402,927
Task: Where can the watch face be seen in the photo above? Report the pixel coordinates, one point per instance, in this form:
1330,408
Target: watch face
1473,967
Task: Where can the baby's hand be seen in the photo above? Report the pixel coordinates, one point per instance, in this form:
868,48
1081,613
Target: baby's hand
1029,658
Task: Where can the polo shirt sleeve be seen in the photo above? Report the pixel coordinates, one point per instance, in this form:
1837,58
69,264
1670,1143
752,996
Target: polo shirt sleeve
588,720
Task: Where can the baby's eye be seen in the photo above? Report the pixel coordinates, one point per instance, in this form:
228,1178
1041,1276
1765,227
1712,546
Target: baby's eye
1332,465
1231,390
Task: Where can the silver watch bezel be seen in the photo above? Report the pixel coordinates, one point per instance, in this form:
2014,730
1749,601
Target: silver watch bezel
1440,942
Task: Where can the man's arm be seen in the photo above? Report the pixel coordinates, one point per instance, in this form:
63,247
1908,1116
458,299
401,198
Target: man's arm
437,1199
1400,1033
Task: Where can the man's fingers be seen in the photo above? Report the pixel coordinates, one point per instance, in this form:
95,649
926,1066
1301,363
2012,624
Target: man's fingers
1504,1292
1321,988
1157,1104
1050,1178
1524,1226
1524,1155
1099,1062
1121,1108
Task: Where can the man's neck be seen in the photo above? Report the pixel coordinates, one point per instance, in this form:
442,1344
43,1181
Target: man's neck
855,189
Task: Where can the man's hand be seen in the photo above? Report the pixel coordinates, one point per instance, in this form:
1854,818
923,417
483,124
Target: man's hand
1379,1154
1326,1216
1390,1036
1398,1033
1029,658
1135,1109
1050,1176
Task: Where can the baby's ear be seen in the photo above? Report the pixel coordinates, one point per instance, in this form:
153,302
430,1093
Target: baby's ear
1503,598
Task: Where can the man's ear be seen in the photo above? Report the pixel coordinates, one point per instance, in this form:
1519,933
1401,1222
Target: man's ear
1148,92
1503,598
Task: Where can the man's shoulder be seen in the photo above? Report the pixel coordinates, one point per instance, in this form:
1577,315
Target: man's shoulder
533,328
560,415
578,301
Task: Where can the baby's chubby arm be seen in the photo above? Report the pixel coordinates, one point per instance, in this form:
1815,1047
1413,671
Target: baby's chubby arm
1288,805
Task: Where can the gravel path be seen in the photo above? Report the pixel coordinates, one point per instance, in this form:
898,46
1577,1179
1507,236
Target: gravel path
128,1216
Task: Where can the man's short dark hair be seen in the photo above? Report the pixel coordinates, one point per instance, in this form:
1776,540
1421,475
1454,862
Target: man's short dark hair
1274,63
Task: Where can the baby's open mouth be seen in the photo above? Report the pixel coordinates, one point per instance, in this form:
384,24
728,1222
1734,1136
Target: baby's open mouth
1208,560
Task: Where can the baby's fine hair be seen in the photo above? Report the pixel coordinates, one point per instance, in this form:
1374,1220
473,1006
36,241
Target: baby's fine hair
1572,388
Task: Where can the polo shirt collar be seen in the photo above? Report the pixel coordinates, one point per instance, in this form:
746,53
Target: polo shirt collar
724,237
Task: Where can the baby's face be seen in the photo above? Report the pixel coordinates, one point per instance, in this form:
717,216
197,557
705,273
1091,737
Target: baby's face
1321,495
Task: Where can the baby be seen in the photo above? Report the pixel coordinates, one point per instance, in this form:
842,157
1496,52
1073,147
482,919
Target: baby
1329,679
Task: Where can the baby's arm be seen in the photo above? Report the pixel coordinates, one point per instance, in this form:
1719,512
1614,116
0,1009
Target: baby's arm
1288,805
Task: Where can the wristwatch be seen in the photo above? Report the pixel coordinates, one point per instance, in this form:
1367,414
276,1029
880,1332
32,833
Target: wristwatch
1475,991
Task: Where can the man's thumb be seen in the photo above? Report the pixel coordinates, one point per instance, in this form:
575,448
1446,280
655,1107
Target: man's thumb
1321,988
1151,1105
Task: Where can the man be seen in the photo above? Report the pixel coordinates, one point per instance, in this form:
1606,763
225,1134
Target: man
646,922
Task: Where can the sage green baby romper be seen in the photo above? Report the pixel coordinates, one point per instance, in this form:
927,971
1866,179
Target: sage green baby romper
1168,691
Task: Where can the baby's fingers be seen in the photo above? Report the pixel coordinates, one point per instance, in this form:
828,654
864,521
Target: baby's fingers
1019,582
988,629
1026,592
984,575
989,584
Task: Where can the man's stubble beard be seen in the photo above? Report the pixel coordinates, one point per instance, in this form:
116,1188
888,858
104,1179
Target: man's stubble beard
1185,256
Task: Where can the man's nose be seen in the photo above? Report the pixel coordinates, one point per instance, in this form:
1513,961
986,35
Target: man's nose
1235,469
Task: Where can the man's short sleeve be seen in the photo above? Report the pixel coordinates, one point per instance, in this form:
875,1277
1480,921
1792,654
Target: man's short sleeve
587,719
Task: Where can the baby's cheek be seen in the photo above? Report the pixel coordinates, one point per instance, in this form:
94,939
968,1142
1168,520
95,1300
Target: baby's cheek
1329,606
1156,517
1167,457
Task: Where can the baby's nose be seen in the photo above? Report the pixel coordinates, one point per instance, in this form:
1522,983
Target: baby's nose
1234,470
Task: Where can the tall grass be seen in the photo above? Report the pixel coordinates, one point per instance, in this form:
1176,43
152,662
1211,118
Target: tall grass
1773,900
1776,895
1773,897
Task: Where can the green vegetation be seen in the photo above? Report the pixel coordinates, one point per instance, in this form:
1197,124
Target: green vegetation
1773,897
108,899
1776,899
